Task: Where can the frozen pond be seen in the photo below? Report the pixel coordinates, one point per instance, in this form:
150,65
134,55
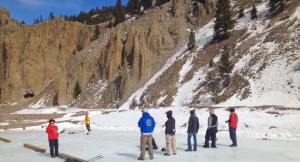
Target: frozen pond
123,146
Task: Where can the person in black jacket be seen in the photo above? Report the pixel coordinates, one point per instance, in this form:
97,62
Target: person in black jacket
170,134
212,129
192,130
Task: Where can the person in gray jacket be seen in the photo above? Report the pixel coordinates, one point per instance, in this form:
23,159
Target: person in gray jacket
192,130
212,129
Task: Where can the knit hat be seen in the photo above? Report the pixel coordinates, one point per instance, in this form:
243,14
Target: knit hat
231,109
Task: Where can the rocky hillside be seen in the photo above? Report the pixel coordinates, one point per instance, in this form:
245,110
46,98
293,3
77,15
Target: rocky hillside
33,58
263,53
145,61
47,60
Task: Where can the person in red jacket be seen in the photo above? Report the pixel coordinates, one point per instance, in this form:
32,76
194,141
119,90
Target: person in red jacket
232,122
52,131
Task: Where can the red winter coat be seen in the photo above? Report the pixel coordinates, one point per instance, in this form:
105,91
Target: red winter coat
233,120
52,131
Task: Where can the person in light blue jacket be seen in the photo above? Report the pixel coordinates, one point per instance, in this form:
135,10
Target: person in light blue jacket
147,125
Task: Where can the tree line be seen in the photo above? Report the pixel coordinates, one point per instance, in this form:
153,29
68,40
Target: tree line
108,13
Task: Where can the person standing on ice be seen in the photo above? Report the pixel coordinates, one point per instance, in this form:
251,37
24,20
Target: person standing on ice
52,131
232,122
147,125
87,121
170,134
192,130
212,129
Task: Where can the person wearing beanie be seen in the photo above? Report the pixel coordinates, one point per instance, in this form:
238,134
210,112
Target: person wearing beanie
193,127
212,129
232,123
147,125
170,134
52,131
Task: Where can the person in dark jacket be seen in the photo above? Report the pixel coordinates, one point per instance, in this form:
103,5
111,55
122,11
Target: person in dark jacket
232,122
154,145
147,125
192,130
212,129
52,131
170,134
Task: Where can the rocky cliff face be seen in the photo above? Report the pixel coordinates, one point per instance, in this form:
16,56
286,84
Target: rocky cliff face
46,59
33,58
135,51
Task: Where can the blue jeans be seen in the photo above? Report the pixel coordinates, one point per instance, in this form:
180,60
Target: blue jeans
189,140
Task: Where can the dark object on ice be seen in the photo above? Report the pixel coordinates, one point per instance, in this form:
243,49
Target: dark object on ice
71,160
163,149
28,94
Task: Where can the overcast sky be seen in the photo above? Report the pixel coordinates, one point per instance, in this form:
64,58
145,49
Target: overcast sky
28,10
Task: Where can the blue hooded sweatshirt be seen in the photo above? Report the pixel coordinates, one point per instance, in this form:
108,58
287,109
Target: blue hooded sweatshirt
146,123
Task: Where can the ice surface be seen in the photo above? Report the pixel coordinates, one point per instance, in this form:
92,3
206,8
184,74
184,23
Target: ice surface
123,146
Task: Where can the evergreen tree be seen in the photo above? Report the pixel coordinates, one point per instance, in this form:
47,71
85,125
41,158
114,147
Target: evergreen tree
36,21
225,67
161,2
51,16
133,6
41,19
96,33
253,13
241,12
22,22
130,6
224,21
192,42
214,91
276,6
77,90
119,13
146,3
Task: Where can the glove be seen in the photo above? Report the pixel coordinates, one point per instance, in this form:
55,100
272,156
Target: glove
226,121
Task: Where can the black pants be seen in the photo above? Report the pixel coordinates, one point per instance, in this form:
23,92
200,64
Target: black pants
88,127
53,147
210,135
232,133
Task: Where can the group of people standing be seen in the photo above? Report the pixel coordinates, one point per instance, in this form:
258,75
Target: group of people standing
147,125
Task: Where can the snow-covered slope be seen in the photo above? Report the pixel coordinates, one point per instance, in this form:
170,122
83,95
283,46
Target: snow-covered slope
266,56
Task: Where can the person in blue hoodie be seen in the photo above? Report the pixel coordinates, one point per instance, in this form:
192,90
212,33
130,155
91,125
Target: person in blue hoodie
147,125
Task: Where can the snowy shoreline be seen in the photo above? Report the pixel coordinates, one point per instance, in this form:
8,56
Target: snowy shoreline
257,123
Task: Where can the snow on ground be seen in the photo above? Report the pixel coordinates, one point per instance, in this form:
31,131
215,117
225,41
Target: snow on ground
123,146
253,122
263,135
